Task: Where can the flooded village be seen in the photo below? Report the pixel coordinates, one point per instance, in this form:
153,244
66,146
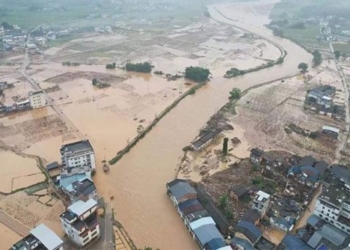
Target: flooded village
107,142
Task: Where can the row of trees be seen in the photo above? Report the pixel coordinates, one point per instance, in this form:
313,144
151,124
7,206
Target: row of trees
317,60
110,66
145,67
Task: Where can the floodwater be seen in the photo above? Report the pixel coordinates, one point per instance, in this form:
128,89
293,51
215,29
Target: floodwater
137,182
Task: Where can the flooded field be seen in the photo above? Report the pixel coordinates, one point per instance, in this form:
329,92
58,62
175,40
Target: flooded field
111,117
18,172
8,237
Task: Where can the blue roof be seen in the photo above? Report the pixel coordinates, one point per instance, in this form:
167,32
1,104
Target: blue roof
313,220
285,222
323,247
294,170
244,243
188,203
251,227
309,170
68,180
206,233
215,244
291,242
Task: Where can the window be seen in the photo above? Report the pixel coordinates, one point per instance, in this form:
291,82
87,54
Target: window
94,234
85,240
320,215
343,228
326,219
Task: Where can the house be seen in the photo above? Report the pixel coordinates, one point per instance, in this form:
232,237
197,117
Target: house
256,155
292,242
283,224
238,192
252,216
261,202
83,189
53,169
306,175
329,237
242,244
206,233
39,238
201,222
77,157
205,139
339,175
321,167
37,99
80,223
331,132
315,222
216,244
307,161
180,191
247,231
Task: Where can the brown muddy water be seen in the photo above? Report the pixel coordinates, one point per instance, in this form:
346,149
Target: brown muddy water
137,182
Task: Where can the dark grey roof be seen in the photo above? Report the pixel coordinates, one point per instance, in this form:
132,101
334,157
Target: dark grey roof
251,215
292,242
257,152
249,230
323,90
77,146
307,161
205,138
239,190
315,221
321,166
244,243
181,189
341,173
52,165
206,233
329,235
84,187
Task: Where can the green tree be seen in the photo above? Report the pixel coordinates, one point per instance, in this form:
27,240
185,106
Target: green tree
317,59
94,82
223,201
6,26
225,146
278,32
229,215
145,67
337,54
197,74
235,94
303,67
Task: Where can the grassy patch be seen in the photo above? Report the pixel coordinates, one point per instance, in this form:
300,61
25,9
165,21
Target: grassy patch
306,37
342,47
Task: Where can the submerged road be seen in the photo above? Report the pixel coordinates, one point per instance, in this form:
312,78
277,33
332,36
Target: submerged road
137,182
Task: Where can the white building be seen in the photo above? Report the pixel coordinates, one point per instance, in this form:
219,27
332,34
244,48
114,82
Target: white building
333,206
37,99
261,202
39,238
80,223
78,157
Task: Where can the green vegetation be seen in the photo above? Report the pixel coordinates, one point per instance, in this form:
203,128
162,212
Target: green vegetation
145,67
229,215
197,74
223,201
94,82
110,66
158,72
235,94
265,184
70,64
343,48
303,67
317,59
233,72
337,54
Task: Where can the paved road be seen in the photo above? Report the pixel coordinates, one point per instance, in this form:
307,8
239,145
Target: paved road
36,86
344,136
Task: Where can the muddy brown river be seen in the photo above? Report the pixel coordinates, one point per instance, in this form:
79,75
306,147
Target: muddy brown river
137,182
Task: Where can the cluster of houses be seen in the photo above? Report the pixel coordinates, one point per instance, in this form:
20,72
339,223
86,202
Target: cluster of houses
79,222
321,101
204,227
36,99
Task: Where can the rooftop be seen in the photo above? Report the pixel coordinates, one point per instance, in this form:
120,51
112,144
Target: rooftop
257,152
36,92
332,129
80,207
77,146
262,196
292,242
251,215
315,221
180,189
249,230
47,237
244,243
206,233
239,190
201,222
205,138
334,195
66,181
52,165
323,90
331,234
81,187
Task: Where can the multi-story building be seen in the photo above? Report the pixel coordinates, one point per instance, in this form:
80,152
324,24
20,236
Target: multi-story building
37,99
39,238
333,204
77,157
80,223
261,202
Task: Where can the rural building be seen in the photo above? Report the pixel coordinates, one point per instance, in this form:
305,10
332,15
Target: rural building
256,155
331,132
83,189
39,238
306,175
261,202
206,233
180,191
37,99
238,192
292,242
321,95
321,167
238,243
205,140
53,169
252,216
80,223
247,231
283,224
79,156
